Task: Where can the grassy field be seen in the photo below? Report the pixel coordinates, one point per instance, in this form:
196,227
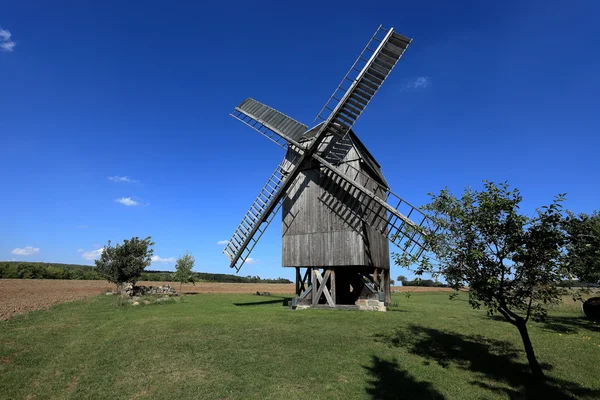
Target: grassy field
228,346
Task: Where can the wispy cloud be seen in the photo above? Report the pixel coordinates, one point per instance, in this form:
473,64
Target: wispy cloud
251,260
91,255
25,251
6,42
421,82
223,242
127,201
159,259
122,179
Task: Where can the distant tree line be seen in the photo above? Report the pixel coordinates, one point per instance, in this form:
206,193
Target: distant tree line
40,270
157,276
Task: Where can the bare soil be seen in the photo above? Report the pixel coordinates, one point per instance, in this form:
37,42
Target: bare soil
19,296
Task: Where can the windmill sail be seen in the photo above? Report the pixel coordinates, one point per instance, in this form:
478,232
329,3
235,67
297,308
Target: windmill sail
271,123
377,63
257,219
331,135
401,222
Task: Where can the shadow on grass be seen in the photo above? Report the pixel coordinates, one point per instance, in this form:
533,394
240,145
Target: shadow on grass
494,363
390,382
276,299
570,324
573,324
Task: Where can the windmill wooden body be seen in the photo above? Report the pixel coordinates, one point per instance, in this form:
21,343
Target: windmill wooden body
338,211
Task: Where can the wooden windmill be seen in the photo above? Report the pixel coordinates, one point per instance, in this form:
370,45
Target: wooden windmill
339,214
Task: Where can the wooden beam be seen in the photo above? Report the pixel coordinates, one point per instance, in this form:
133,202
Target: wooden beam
323,287
332,285
315,284
386,287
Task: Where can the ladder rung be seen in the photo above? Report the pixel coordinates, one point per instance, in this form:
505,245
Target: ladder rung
393,48
369,84
383,65
343,118
379,69
373,74
348,111
359,101
388,57
366,88
359,92
355,111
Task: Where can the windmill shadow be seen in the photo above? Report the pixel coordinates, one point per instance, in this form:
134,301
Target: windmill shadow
275,300
388,381
491,361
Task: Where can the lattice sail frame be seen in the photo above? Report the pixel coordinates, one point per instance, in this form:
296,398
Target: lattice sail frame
405,231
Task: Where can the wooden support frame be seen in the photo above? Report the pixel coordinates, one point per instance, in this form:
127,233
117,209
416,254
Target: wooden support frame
320,286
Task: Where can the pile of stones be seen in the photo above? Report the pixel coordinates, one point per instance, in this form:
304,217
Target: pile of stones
130,290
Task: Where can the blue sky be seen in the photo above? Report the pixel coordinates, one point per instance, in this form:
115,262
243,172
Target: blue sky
501,91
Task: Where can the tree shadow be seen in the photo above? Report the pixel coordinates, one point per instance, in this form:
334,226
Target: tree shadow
562,324
570,324
492,361
389,382
276,299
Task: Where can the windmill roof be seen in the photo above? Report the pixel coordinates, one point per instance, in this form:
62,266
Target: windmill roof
365,156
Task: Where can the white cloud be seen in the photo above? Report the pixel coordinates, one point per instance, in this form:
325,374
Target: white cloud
251,260
127,201
421,82
91,255
6,43
223,242
121,179
159,259
25,251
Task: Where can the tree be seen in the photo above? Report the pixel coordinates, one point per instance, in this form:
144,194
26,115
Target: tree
402,278
583,246
125,262
510,262
183,270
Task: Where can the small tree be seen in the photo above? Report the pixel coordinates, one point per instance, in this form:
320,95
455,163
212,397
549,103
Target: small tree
183,270
402,279
583,246
125,262
510,262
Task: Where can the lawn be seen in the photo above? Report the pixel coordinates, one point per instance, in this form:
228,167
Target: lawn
225,346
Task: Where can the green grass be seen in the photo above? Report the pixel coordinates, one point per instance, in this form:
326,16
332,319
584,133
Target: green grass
224,347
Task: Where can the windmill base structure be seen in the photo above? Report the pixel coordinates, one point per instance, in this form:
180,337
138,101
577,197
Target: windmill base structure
339,214
340,260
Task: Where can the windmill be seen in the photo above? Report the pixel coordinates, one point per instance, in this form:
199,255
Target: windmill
338,211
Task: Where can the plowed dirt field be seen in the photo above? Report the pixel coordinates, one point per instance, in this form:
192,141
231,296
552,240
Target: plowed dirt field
19,296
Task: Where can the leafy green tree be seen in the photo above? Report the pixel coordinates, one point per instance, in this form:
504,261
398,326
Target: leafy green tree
183,270
402,278
510,262
583,246
125,262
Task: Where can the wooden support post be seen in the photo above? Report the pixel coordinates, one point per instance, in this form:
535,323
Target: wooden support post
323,287
315,284
332,285
386,287
298,282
